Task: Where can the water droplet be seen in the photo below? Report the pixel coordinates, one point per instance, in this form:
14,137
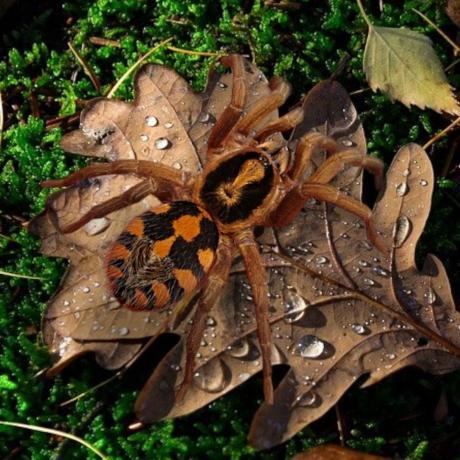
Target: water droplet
363,263
213,377
403,227
66,303
169,124
390,356
369,281
307,400
430,296
96,226
151,121
406,173
347,142
177,165
86,289
239,349
243,376
123,331
211,322
175,367
204,117
321,260
382,272
423,183
221,85
162,143
359,329
310,346
402,189
294,306
144,137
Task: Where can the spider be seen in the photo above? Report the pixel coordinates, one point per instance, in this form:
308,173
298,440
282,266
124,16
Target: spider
167,254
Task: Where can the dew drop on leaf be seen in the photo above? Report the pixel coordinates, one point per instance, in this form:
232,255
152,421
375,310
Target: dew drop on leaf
213,377
310,346
151,121
402,230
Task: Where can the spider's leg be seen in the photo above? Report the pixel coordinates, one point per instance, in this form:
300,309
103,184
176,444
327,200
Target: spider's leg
332,195
133,195
211,294
285,123
307,147
338,162
262,108
258,280
140,168
233,111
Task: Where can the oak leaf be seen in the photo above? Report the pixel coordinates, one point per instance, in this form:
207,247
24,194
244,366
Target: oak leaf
340,309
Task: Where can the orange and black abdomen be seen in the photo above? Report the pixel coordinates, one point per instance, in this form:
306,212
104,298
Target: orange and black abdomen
162,255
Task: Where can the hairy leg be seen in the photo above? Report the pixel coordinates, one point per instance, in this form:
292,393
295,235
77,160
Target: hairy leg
140,168
133,195
285,123
258,280
233,111
262,108
331,195
212,291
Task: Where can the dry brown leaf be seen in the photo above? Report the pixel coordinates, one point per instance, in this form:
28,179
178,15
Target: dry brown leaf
453,11
340,310
332,452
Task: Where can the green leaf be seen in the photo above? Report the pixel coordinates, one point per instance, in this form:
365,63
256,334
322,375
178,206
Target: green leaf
403,64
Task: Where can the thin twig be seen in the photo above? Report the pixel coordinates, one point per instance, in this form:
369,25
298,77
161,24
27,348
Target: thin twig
18,275
92,76
442,133
120,81
439,31
101,41
57,433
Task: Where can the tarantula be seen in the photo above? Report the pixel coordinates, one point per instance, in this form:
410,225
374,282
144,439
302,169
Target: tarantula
167,254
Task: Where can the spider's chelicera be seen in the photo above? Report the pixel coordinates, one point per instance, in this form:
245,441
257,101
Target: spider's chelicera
168,253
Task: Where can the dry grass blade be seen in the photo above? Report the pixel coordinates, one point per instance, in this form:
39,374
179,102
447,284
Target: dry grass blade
332,452
195,53
92,76
441,134
439,31
120,81
57,433
18,275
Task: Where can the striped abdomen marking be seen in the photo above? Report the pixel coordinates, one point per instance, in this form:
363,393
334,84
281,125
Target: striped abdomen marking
162,255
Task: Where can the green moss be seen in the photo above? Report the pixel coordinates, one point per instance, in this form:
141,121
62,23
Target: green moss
304,47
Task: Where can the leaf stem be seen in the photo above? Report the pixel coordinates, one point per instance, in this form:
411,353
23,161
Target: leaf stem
57,433
363,13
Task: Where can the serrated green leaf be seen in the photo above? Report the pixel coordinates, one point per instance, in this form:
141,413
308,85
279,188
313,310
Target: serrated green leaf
403,64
